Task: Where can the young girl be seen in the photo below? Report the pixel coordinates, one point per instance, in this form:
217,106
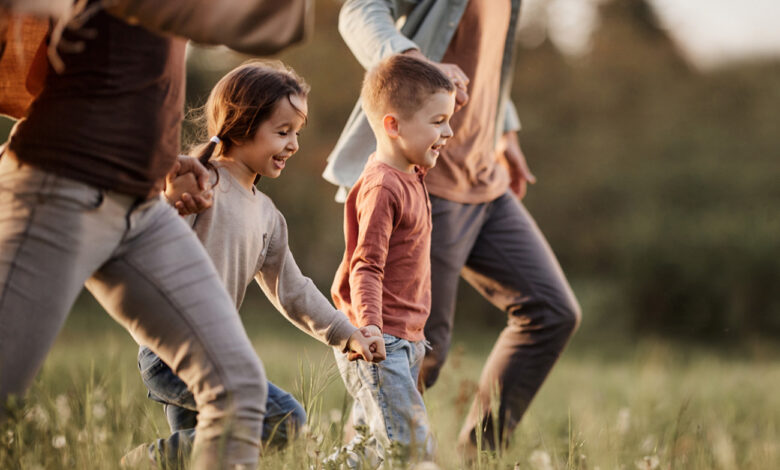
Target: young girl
254,114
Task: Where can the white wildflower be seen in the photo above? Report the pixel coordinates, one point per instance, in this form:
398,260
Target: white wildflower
540,460
723,450
648,444
335,415
63,409
648,462
99,411
58,442
426,466
623,421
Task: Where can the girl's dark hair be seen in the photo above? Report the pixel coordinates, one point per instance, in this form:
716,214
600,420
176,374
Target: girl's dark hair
242,100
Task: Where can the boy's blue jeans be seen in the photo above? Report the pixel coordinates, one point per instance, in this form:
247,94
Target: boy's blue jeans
284,415
387,400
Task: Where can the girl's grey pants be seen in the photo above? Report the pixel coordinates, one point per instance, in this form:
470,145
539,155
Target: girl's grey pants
149,271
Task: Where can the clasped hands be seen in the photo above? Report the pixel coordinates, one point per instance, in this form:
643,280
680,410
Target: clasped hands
366,343
187,186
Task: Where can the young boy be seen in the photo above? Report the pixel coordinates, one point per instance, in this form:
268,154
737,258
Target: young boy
383,282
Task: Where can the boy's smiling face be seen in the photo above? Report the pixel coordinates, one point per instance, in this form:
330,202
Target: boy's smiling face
419,137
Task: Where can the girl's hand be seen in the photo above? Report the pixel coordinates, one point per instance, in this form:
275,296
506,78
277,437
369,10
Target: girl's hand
367,344
187,187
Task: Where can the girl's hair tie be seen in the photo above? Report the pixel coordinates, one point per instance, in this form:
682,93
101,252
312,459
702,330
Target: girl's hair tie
216,140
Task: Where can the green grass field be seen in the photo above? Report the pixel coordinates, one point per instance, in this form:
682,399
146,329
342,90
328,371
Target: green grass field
605,406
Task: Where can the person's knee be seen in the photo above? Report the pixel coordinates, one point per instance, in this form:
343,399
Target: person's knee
251,388
242,392
558,317
574,317
568,317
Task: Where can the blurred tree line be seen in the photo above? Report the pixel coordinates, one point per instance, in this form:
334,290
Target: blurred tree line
657,182
657,179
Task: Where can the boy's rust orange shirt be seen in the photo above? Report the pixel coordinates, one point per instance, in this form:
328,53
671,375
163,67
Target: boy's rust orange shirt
385,276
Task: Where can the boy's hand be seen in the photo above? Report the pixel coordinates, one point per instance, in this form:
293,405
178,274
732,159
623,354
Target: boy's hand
367,344
187,186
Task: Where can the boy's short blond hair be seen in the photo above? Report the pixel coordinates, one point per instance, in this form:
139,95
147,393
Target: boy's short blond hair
400,84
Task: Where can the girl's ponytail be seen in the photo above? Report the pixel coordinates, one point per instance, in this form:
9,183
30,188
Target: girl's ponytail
206,152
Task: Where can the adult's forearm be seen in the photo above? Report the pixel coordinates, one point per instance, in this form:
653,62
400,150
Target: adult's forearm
368,29
42,8
257,27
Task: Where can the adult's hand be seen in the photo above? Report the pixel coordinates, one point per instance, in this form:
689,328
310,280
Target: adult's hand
191,202
453,72
186,164
519,173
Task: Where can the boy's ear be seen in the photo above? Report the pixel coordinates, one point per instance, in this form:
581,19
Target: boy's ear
390,124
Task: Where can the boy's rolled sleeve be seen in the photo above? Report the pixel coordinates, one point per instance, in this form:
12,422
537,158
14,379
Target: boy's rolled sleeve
376,208
368,28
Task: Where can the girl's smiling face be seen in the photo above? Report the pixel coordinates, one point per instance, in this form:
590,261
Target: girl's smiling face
276,139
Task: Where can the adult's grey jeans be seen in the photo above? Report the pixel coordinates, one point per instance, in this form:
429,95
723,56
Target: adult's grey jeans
498,248
149,271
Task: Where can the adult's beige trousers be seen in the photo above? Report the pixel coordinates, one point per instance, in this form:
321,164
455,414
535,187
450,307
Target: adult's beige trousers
151,274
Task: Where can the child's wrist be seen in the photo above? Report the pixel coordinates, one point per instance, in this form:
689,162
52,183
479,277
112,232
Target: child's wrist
170,198
371,328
